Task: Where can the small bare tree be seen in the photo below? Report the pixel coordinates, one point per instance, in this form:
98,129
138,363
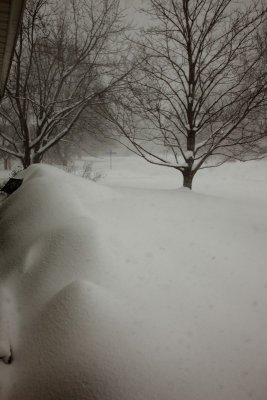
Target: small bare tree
68,56
199,88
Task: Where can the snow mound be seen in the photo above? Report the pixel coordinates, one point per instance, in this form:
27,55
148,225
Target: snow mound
133,294
69,338
39,171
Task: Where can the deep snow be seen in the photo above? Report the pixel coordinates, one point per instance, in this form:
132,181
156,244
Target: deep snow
134,289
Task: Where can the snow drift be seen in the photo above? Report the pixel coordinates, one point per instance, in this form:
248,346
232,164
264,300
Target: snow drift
70,337
130,294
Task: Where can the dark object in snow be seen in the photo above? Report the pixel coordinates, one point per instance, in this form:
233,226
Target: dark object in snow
7,359
11,185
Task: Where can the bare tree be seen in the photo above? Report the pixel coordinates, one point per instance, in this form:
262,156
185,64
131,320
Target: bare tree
198,90
69,56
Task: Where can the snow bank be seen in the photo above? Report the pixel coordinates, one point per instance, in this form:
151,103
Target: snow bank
70,338
133,294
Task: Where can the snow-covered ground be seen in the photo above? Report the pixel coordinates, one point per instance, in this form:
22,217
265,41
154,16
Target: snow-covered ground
134,289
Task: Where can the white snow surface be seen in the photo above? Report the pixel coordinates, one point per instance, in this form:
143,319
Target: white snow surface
134,289
188,154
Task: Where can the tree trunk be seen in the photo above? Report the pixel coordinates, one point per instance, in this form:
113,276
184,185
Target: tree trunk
188,179
7,163
28,159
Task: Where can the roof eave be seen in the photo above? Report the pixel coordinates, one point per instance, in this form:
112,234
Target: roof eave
13,26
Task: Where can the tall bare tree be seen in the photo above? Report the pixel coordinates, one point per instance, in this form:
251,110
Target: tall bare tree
68,57
199,88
